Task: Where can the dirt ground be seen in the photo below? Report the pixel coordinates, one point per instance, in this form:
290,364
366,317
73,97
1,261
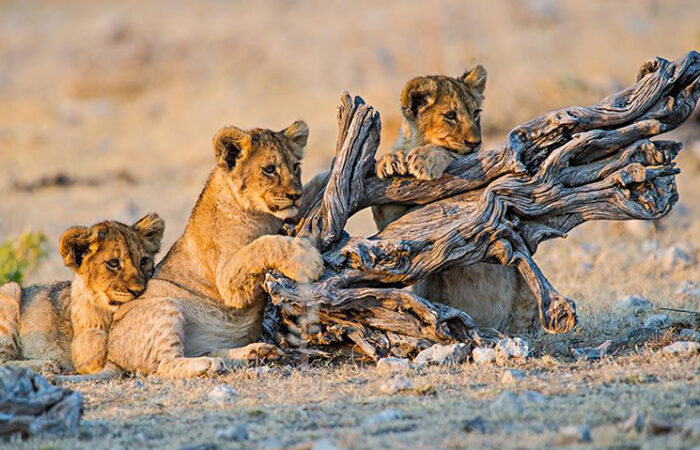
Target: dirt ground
124,97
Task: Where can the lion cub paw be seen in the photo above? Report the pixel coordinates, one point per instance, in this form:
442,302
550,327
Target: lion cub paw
391,165
301,262
426,163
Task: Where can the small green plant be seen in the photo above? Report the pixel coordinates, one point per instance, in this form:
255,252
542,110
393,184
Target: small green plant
17,256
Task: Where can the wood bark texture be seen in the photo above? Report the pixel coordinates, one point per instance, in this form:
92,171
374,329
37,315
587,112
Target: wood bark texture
30,405
550,175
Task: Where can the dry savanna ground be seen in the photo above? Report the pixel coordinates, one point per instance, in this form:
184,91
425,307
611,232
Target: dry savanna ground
122,98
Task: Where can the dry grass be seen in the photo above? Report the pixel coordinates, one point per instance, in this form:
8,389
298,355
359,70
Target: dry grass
101,88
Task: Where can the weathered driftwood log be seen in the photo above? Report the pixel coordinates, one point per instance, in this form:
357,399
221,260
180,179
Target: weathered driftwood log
551,174
30,405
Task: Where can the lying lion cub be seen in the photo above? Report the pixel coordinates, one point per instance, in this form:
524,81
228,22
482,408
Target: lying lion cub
66,323
205,303
441,121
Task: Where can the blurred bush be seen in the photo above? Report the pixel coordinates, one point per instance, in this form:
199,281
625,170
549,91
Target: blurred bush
20,255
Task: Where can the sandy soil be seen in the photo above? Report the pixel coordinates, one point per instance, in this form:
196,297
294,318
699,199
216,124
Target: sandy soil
103,89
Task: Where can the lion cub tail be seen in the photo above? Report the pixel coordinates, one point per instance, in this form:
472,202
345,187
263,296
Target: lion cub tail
10,300
109,372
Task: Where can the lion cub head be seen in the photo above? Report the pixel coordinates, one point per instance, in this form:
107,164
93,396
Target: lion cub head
445,111
263,167
112,258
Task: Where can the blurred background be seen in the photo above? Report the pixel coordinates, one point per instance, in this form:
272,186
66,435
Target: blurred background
107,109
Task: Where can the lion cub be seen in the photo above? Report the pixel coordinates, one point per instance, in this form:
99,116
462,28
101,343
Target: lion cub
66,322
441,121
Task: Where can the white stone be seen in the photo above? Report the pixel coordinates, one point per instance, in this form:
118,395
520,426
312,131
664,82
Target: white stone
657,321
443,354
515,348
681,348
222,393
392,365
483,355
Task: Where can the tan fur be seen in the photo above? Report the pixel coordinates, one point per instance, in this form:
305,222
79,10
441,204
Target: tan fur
429,140
206,301
66,323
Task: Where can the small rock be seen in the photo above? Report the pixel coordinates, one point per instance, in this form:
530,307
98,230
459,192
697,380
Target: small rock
592,353
222,393
508,402
657,321
323,444
534,397
237,433
689,334
443,354
692,428
514,348
396,384
677,257
681,348
476,424
386,366
574,434
632,305
634,422
388,415
483,355
688,290
641,335
511,376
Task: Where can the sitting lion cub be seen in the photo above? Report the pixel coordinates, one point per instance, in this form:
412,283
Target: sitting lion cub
441,121
204,306
66,323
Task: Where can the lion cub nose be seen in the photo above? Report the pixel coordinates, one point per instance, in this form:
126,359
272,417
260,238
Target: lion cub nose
294,196
472,144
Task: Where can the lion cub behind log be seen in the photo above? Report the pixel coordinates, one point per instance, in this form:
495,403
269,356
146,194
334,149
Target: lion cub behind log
66,323
441,121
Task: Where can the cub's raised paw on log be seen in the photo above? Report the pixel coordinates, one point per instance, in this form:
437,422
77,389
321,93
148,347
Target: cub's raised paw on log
391,165
428,162
299,260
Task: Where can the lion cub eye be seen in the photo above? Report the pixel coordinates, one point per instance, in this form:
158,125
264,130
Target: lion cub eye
269,169
297,168
113,263
477,114
144,261
450,115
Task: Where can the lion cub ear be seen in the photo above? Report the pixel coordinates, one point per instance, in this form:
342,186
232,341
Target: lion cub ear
229,144
475,78
298,132
151,227
418,93
74,245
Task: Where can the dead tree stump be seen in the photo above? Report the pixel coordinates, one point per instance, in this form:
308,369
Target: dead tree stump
30,405
550,175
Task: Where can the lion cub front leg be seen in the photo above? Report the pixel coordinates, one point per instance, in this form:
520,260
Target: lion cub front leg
428,162
239,279
89,350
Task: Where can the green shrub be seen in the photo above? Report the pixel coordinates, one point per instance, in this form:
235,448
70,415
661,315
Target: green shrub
17,256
